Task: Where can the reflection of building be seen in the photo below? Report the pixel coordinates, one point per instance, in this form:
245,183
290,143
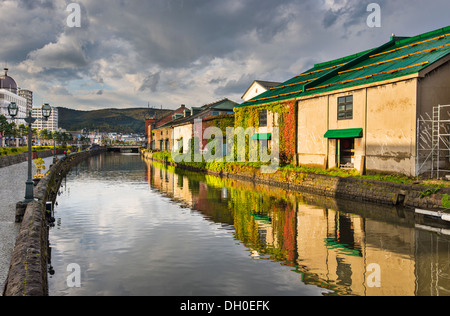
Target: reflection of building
329,247
51,124
170,184
339,247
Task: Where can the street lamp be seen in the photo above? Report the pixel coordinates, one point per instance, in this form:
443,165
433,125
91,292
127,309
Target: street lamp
46,112
13,109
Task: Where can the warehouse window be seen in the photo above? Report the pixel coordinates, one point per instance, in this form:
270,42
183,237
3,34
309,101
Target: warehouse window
263,118
345,108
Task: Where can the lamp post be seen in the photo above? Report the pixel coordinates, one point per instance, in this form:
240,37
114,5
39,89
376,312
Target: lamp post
13,110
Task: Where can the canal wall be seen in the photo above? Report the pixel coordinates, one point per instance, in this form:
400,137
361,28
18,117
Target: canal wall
28,269
362,190
6,161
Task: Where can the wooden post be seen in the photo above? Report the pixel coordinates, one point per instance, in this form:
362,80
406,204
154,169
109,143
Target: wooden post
362,166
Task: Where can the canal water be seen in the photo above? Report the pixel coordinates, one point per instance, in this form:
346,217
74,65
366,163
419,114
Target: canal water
125,226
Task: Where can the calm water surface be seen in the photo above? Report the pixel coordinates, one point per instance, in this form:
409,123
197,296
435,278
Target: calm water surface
140,228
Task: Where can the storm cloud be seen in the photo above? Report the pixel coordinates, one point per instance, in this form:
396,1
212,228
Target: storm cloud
172,52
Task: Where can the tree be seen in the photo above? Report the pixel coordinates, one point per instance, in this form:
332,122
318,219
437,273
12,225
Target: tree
3,124
23,130
56,136
40,165
45,134
12,130
66,137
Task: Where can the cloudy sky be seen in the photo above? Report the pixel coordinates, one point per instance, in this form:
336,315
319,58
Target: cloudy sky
130,53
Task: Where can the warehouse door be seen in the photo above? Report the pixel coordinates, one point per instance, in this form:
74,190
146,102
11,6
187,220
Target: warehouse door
345,153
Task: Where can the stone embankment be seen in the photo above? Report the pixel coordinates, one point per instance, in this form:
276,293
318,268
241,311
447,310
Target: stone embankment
6,161
363,190
28,270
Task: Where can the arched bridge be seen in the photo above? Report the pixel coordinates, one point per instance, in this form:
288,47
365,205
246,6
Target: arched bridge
124,149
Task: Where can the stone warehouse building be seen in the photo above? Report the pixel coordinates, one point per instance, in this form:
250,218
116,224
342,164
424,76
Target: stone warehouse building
364,111
177,131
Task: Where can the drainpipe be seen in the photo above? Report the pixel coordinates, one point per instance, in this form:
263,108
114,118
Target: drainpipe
328,128
338,153
365,138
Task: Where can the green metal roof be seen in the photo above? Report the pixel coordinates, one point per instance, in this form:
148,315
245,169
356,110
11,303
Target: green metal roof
397,58
224,104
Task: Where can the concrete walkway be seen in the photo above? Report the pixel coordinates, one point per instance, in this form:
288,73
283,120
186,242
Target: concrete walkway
12,190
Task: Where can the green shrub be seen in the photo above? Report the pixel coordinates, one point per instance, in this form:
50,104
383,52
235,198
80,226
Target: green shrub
445,201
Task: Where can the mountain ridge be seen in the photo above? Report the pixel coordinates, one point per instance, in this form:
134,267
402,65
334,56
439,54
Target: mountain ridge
128,120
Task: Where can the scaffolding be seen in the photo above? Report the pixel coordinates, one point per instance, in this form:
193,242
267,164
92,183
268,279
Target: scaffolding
433,142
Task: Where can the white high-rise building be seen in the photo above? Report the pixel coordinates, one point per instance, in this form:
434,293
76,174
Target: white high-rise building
28,95
51,124
8,94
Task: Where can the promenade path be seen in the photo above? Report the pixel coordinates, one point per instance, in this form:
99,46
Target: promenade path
12,190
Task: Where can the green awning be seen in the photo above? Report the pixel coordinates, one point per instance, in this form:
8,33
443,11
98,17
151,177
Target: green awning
263,136
344,133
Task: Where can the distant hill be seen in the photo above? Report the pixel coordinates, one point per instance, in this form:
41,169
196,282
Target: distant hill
107,120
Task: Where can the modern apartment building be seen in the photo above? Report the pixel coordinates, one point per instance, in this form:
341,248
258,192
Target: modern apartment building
51,124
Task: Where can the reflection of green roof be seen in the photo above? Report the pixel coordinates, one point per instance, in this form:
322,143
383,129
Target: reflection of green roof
342,248
262,136
397,58
262,218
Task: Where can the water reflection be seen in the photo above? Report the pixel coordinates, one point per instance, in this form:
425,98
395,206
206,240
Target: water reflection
129,239
347,247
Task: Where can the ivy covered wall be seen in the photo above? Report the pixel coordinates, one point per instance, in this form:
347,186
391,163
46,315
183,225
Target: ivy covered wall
287,123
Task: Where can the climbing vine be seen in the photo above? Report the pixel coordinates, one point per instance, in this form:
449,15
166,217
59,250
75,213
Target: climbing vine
249,117
221,121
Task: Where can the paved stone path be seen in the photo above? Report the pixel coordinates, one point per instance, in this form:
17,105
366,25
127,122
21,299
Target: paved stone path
12,190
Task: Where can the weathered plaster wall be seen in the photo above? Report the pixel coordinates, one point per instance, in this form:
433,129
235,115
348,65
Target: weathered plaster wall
163,134
391,127
183,131
387,115
312,126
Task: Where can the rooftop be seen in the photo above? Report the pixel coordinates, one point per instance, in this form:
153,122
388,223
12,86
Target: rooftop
224,104
399,57
7,82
